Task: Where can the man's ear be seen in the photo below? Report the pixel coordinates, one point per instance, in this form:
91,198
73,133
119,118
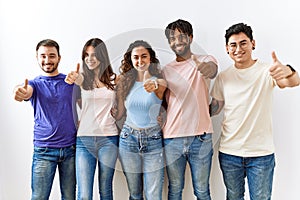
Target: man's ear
191,38
227,48
253,44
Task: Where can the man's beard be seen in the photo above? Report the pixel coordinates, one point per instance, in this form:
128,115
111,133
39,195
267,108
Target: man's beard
49,71
183,52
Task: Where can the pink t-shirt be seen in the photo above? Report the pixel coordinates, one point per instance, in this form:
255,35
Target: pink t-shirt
188,99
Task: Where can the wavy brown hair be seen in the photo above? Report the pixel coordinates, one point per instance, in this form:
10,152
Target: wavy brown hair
128,73
106,74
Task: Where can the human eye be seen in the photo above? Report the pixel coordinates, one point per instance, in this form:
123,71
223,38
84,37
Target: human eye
232,46
183,36
172,39
244,44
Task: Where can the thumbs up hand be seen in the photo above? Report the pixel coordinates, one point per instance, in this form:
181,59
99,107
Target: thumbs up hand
23,92
150,85
277,70
73,75
207,69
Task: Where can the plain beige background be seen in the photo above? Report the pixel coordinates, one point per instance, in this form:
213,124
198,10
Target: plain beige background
72,22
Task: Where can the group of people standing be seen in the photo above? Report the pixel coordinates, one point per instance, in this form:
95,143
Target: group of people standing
166,116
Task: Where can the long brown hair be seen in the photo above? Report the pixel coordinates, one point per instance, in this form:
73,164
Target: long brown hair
128,73
106,74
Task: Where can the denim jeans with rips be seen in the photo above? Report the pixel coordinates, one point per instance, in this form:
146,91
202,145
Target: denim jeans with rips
44,164
142,160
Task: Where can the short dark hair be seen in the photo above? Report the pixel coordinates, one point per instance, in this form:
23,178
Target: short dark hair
180,24
48,43
239,28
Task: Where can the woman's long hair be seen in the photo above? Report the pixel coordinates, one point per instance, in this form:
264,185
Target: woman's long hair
106,74
128,73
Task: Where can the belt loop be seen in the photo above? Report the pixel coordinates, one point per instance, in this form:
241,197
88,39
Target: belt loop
131,130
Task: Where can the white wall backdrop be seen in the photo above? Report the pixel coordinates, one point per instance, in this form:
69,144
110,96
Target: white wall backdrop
72,22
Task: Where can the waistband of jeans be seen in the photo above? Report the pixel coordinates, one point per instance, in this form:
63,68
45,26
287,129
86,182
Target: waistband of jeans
148,129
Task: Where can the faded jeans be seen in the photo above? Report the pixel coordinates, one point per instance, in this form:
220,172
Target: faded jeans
258,170
91,151
195,150
142,160
44,164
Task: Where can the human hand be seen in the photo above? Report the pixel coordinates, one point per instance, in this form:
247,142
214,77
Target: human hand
73,75
150,85
277,70
205,68
114,111
21,92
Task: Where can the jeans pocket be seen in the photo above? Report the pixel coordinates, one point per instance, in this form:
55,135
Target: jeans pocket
40,150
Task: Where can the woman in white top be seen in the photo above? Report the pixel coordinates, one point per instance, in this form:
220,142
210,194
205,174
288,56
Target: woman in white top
97,137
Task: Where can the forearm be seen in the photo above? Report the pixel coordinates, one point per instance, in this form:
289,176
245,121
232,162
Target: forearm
214,69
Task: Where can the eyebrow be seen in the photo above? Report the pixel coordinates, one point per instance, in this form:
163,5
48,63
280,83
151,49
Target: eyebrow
140,55
237,42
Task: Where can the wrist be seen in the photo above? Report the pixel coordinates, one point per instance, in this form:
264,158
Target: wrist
155,84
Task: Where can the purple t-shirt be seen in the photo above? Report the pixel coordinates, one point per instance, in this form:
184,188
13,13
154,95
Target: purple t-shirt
53,102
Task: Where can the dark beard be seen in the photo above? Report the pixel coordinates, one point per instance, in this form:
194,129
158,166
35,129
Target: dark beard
184,52
49,71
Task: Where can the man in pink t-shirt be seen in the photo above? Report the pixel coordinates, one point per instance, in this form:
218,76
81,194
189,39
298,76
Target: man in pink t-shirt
188,127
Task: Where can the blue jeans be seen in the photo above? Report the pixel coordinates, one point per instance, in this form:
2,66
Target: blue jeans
91,150
258,170
44,164
195,150
142,160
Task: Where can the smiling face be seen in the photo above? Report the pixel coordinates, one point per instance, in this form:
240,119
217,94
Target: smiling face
180,43
48,59
240,49
90,58
140,58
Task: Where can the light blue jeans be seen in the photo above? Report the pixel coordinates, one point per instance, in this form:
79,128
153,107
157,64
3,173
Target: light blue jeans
258,170
142,160
91,150
44,164
195,150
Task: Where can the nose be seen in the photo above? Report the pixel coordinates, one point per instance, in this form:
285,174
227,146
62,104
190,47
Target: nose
47,59
140,60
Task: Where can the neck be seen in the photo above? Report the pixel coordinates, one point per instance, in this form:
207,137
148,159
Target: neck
140,76
244,65
51,74
186,56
